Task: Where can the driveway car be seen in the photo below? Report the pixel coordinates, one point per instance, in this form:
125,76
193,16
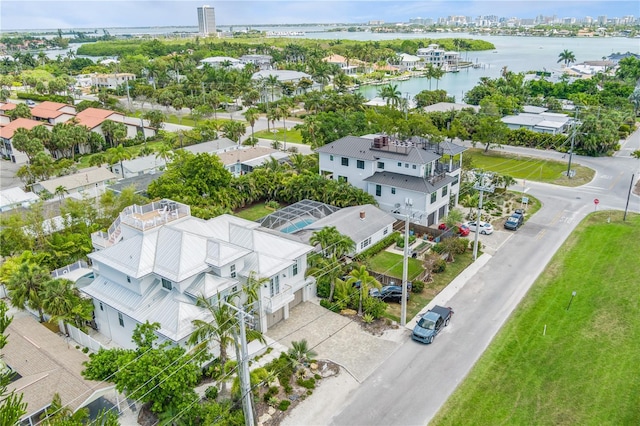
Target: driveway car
389,293
460,229
513,222
485,228
30,103
431,323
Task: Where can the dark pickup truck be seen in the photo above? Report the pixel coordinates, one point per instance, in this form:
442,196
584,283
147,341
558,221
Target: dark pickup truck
431,323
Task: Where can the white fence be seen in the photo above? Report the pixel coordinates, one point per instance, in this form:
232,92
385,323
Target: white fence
84,339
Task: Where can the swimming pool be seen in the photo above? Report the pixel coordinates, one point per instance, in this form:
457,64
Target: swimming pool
297,226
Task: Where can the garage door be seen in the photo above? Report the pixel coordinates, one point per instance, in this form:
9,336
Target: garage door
297,298
274,318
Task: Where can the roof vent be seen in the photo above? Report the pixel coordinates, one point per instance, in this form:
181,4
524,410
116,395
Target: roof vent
362,214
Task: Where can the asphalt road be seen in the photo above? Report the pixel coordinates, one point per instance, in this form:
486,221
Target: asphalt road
410,387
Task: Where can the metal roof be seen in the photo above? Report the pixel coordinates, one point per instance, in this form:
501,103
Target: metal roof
361,148
411,183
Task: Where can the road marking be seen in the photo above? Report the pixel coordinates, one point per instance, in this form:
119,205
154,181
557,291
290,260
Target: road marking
540,234
615,181
565,219
605,177
556,218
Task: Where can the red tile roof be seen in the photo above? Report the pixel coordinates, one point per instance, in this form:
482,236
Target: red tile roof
8,130
96,112
7,107
53,106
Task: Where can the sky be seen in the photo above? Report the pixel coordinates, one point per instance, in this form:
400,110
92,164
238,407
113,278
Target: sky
53,14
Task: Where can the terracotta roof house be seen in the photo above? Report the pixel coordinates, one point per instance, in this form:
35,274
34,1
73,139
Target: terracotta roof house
53,112
6,135
349,67
94,117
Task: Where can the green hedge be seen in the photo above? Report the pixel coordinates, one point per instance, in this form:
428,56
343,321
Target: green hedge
377,247
42,98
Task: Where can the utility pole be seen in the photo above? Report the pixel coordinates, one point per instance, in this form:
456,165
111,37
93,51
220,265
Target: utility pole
626,207
573,140
408,202
483,183
243,363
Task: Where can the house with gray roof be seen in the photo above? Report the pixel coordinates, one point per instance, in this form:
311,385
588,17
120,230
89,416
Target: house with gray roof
544,122
156,260
404,176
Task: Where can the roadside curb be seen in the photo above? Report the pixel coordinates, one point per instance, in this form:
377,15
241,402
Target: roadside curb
453,288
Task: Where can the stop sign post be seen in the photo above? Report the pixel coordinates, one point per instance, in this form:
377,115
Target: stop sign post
596,202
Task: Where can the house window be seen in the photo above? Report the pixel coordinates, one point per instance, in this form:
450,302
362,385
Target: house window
167,284
234,289
380,165
445,189
120,319
233,271
128,279
101,307
399,164
386,231
378,190
360,164
414,167
406,165
455,182
393,190
274,285
331,158
345,161
365,243
294,270
434,197
342,179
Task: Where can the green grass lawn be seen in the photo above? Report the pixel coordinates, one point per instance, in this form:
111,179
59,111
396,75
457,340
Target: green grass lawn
391,264
254,212
293,135
584,370
417,301
529,168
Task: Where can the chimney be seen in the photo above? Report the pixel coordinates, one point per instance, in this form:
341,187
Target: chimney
362,214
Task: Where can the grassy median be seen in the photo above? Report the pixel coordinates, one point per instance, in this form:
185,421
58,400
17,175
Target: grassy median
555,363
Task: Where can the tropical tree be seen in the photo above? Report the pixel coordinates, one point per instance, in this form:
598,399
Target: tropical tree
390,94
23,140
117,155
284,111
634,97
26,287
300,353
60,191
332,243
233,130
567,57
62,300
156,118
360,276
251,115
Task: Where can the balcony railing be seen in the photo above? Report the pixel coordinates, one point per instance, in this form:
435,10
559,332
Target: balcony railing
277,301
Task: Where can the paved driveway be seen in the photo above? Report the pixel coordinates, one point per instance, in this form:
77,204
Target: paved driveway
8,177
337,338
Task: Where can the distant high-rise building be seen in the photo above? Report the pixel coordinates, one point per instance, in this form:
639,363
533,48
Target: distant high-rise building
602,20
207,21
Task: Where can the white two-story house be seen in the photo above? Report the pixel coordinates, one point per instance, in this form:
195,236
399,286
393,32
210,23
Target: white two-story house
156,259
398,173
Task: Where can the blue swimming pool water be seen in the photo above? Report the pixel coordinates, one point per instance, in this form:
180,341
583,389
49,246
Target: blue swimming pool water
297,226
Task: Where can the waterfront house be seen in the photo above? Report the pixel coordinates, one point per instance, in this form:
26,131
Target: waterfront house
398,173
409,62
156,259
345,65
270,94
435,56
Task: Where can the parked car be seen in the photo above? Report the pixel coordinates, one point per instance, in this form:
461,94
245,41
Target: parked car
431,323
460,229
389,293
30,103
485,228
514,221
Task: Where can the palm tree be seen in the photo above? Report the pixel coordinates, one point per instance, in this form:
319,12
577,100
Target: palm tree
284,111
332,243
567,57
361,275
164,151
634,97
300,353
234,130
118,154
60,191
59,300
390,94
26,287
251,289
251,115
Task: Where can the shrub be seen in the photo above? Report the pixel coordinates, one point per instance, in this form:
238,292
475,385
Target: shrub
317,376
211,393
417,286
85,350
328,305
323,288
284,404
273,401
229,366
367,318
439,266
374,307
377,247
272,204
270,393
309,383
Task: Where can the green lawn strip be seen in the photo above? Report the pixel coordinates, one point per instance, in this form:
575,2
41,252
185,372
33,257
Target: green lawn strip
254,212
293,135
391,264
529,168
439,281
585,369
